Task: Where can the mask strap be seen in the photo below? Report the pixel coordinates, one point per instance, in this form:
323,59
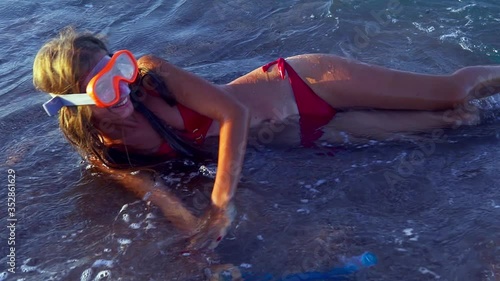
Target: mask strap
57,102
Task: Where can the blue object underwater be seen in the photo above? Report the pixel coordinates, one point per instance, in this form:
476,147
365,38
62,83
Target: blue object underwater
351,265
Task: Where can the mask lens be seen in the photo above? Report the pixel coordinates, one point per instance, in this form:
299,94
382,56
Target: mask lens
104,89
124,66
111,83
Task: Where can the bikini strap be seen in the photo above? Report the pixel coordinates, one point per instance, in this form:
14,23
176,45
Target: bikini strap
281,67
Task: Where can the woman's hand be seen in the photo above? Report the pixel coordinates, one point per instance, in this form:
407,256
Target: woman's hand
212,228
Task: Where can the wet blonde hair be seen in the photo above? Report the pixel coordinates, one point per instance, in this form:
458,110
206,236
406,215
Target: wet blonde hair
60,67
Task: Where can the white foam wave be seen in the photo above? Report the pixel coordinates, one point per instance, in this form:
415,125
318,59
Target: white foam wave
458,10
424,29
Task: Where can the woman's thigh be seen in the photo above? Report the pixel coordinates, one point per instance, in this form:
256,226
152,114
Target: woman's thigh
345,83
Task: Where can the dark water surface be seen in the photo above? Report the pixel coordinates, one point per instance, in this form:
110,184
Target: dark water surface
435,217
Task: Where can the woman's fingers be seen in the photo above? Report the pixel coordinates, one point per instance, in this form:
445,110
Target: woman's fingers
213,227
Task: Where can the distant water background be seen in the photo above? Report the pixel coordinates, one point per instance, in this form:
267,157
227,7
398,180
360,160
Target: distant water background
298,209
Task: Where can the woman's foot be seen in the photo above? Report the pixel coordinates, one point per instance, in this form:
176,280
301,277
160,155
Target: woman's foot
465,114
479,81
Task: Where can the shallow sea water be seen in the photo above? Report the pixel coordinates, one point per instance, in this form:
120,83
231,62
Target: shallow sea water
429,208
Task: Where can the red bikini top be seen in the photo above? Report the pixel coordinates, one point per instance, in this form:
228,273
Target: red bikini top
195,129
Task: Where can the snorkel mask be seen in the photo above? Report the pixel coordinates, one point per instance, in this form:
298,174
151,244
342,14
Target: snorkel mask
104,88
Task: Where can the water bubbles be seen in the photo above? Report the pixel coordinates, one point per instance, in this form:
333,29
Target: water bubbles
3,276
208,171
465,44
408,231
26,268
103,275
246,265
124,241
126,218
135,225
86,274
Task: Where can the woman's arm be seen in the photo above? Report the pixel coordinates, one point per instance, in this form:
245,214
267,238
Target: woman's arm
144,186
211,101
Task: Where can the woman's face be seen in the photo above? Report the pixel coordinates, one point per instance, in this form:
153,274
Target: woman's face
120,111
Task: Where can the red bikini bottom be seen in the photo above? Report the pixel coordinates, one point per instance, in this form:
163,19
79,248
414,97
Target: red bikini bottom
314,111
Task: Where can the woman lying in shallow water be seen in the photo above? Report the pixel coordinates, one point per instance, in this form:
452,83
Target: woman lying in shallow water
134,114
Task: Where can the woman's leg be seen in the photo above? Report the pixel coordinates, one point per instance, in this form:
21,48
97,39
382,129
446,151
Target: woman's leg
383,124
345,83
